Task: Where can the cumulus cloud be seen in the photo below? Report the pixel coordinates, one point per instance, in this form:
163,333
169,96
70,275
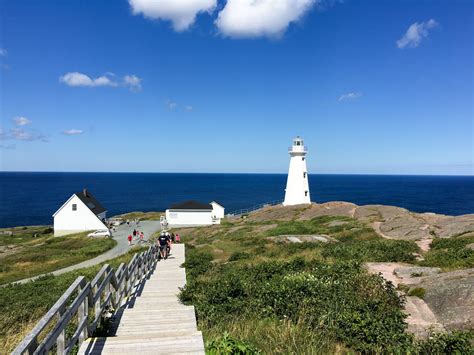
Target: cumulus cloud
181,13
171,104
350,96
76,79
133,82
21,121
260,18
188,108
3,52
73,132
415,34
80,79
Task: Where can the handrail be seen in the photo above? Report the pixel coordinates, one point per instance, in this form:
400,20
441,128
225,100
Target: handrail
107,288
254,208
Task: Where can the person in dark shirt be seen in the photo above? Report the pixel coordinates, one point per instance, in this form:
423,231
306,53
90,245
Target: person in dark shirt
163,241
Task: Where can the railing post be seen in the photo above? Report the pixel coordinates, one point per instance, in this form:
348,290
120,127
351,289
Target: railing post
82,313
97,304
61,340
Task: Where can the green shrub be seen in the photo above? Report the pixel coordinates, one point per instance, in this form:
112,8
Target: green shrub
456,342
197,262
450,253
239,255
417,292
372,250
229,345
341,300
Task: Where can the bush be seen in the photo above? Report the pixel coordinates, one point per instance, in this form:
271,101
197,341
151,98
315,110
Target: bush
417,292
229,345
239,255
450,253
340,300
456,342
372,250
197,262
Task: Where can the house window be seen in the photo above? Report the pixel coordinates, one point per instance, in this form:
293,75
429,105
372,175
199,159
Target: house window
74,207
304,175
306,193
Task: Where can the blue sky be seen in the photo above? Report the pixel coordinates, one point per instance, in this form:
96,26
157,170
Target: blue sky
374,87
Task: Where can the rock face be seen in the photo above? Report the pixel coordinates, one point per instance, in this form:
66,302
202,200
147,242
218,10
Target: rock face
450,296
389,221
448,301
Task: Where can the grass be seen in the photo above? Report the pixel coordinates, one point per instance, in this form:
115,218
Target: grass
252,290
417,292
450,253
31,251
23,305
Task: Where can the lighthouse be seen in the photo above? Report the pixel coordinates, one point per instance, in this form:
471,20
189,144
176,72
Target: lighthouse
297,187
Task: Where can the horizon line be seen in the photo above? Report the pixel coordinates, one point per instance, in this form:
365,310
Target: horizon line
223,173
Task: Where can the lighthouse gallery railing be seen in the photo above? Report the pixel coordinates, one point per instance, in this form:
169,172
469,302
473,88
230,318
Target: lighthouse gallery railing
107,290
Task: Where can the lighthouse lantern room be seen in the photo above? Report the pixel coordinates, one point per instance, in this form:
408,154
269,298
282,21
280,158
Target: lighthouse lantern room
297,187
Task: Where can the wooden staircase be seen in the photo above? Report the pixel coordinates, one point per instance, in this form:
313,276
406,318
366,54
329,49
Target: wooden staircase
153,321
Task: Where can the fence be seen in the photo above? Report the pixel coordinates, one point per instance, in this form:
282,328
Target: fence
254,208
107,290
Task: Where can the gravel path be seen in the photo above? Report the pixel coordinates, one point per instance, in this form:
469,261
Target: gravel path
120,235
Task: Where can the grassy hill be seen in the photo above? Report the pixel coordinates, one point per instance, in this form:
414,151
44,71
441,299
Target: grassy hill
30,251
255,287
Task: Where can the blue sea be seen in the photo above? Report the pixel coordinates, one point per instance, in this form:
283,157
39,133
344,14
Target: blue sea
31,198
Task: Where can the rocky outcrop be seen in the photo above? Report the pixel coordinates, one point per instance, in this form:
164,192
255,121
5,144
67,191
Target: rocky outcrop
450,296
389,221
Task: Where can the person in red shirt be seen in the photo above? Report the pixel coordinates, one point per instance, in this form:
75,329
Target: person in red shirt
141,237
129,239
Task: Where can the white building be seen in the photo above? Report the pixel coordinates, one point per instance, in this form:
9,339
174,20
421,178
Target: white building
297,187
81,212
193,213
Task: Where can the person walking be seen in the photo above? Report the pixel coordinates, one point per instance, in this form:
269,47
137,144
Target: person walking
141,237
129,239
177,238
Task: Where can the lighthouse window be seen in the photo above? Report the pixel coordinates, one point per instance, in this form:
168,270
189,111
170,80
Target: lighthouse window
304,175
302,159
306,193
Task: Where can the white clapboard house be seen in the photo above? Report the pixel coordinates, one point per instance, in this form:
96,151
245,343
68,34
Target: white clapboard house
81,212
193,213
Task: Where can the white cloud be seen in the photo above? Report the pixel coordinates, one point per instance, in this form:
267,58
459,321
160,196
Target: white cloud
182,13
73,132
171,104
79,79
3,52
415,34
350,96
21,121
260,18
188,108
133,82
20,134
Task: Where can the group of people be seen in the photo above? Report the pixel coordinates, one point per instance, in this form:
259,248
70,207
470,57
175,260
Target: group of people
134,235
164,241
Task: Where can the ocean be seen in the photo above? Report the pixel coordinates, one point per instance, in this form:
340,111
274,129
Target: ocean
30,198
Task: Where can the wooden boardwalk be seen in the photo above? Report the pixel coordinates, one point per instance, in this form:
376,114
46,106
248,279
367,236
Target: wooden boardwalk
153,321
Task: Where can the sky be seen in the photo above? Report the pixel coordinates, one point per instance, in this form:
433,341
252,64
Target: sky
373,87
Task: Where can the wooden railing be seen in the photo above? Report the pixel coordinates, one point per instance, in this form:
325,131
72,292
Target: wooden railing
92,299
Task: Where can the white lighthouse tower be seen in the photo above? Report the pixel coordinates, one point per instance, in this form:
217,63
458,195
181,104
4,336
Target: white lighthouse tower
297,188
